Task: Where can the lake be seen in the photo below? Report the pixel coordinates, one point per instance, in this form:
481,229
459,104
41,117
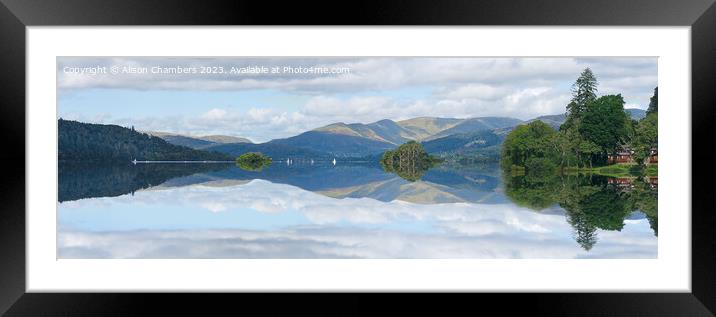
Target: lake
349,210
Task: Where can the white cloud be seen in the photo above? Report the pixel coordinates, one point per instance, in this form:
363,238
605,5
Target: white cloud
452,87
476,91
214,207
215,114
370,73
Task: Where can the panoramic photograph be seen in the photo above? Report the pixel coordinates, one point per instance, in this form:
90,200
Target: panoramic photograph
357,157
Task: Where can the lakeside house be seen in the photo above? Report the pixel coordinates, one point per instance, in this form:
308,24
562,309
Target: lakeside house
623,183
653,156
654,182
625,155
627,183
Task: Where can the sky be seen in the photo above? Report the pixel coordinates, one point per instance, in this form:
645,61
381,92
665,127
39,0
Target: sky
269,98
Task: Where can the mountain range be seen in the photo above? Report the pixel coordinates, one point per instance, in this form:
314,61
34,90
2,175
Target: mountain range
358,140
197,142
471,138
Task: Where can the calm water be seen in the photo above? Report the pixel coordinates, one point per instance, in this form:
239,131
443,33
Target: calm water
348,211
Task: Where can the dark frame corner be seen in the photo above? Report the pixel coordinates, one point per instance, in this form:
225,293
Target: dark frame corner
16,15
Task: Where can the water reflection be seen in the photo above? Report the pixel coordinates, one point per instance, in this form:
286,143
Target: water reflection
87,180
591,202
348,211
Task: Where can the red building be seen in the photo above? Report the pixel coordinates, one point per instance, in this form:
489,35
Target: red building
654,183
625,155
654,156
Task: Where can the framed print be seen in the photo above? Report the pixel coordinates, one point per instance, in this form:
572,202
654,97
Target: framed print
457,149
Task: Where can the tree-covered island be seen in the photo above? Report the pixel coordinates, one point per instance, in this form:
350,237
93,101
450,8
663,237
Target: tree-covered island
598,136
409,161
253,161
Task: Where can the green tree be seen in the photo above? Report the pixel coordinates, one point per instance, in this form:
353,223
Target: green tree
654,102
584,91
646,137
253,161
409,161
605,125
533,140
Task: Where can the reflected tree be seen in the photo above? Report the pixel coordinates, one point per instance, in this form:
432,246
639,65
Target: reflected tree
645,198
585,233
591,202
88,180
533,191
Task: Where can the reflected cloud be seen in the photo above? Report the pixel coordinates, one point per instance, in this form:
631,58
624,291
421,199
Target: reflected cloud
338,242
317,226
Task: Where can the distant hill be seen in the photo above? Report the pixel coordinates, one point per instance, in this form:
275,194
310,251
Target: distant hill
277,152
336,144
224,139
481,146
79,141
424,127
383,131
476,124
636,114
370,140
463,142
197,142
187,141
553,121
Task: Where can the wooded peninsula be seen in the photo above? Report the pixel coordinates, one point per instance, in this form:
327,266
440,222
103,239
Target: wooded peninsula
598,137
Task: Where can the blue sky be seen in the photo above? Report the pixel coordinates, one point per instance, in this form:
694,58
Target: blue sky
267,106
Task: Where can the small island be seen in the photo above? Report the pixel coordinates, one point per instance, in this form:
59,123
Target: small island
253,161
409,161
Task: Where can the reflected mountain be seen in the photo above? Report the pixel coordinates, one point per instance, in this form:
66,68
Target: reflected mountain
440,185
358,180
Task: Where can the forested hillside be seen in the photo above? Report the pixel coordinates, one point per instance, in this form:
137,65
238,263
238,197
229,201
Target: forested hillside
481,146
79,141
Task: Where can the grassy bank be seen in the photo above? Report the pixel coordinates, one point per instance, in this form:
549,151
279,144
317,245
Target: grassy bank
615,170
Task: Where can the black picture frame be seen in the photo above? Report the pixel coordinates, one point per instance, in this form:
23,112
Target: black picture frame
700,15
